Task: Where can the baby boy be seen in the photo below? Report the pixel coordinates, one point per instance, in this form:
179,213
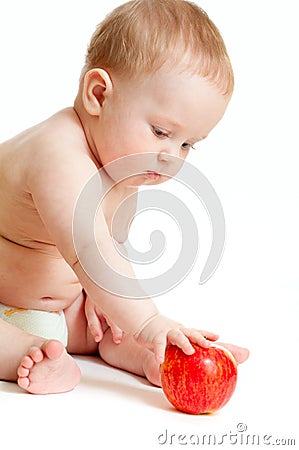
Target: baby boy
157,79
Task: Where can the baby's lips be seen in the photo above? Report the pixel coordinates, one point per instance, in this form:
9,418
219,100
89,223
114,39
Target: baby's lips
152,175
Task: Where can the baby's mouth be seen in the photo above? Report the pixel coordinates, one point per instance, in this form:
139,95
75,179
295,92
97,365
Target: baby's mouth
152,175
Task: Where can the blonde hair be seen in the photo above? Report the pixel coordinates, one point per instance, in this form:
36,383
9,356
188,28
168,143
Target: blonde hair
140,36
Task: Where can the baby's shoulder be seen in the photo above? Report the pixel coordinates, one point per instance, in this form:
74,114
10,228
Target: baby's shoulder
57,145
59,140
61,133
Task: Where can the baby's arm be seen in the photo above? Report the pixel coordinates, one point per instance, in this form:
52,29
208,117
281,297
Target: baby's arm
140,317
55,180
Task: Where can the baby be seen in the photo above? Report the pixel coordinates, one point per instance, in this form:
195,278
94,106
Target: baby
157,79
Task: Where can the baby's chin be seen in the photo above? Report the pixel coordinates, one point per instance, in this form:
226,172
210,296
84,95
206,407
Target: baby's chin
146,179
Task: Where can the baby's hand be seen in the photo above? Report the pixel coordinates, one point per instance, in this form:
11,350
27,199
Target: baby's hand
160,331
98,322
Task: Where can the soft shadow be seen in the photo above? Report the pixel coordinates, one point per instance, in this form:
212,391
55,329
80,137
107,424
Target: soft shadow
141,390
152,397
10,387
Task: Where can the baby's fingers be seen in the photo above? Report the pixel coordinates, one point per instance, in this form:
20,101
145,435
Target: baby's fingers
94,324
200,337
159,345
179,338
117,333
209,335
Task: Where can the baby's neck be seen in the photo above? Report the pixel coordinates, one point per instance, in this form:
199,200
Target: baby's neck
86,124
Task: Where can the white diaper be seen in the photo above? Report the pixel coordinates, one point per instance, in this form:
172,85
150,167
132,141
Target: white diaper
49,325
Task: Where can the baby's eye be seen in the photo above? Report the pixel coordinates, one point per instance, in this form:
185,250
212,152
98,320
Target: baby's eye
160,133
187,146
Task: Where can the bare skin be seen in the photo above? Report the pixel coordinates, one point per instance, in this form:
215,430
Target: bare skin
39,268
35,372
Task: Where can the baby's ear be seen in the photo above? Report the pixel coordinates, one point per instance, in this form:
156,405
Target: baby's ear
97,87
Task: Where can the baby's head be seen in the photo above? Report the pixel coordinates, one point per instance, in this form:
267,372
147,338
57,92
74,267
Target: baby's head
157,79
139,37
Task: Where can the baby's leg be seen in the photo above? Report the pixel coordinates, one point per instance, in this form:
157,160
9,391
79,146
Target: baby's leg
130,356
37,364
80,339
127,355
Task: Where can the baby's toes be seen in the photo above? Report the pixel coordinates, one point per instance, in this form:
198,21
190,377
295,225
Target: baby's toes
22,371
35,354
23,382
27,362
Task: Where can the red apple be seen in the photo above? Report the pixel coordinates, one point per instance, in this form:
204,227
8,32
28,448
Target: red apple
199,383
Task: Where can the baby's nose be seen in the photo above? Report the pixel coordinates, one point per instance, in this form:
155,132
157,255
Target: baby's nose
171,162
165,155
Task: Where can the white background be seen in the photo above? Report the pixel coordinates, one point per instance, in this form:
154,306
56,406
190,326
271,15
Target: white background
251,160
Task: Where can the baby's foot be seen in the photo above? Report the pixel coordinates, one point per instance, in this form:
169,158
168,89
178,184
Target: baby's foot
48,370
152,369
239,353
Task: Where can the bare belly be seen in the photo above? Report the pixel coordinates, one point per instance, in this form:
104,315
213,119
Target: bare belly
35,278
